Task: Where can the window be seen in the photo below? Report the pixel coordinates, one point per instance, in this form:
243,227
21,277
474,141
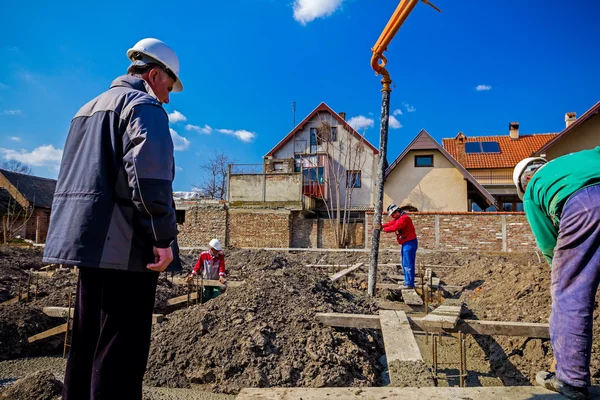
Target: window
180,216
313,136
297,163
334,133
424,161
482,147
353,179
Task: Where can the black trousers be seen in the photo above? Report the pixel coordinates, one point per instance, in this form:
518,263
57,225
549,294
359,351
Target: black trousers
111,335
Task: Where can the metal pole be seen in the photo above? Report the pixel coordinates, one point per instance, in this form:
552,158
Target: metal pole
383,142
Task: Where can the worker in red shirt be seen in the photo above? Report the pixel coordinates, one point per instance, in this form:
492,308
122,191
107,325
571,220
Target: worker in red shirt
402,225
211,264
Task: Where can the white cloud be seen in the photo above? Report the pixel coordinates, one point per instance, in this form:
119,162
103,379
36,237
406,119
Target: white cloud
178,168
15,138
12,112
179,142
207,130
43,156
361,122
306,11
243,135
397,112
483,88
394,123
408,107
176,116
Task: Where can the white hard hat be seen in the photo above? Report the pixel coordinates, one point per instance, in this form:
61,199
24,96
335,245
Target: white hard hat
529,165
215,244
391,208
160,52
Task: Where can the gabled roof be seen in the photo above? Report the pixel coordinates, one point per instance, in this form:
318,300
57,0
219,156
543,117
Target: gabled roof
38,191
588,114
7,203
511,150
424,141
321,108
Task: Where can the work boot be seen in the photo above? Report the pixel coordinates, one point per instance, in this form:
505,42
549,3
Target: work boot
551,382
405,287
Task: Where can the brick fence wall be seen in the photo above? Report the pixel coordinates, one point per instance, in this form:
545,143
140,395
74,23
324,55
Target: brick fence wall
202,223
239,227
467,231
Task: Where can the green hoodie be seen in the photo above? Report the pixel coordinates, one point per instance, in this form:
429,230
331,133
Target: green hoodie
549,190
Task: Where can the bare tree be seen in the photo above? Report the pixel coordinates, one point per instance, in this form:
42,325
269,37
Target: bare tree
345,157
214,185
15,166
15,218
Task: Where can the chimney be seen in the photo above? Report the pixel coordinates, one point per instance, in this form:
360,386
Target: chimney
570,117
461,155
513,130
343,115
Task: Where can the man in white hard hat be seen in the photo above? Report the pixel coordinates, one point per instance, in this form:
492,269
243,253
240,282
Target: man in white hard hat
561,199
113,217
211,264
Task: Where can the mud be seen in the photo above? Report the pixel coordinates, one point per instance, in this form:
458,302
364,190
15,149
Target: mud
264,334
41,385
410,374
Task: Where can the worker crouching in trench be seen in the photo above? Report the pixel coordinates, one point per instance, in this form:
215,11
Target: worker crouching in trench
211,266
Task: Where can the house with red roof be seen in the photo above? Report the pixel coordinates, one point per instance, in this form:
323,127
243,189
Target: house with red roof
492,159
322,164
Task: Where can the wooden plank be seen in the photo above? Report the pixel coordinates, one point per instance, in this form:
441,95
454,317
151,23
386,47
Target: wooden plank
349,320
182,299
410,297
15,300
393,305
470,326
50,332
157,318
403,393
208,282
445,316
341,274
398,338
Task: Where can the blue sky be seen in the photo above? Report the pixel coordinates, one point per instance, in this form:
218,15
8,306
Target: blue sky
243,63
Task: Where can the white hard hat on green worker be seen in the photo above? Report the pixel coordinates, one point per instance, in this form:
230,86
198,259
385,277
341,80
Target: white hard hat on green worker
154,51
524,171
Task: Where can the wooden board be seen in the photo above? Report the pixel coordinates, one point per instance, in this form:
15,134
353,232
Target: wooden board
445,316
341,274
182,299
393,305
398,338
349,320
470,326
58,312
397,393
410,297
207,282
50,332
14,300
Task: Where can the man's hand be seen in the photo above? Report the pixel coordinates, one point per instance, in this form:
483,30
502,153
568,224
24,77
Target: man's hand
189,278
162,259
222,279
377,226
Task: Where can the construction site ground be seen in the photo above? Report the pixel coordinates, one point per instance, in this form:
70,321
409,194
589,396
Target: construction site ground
264,333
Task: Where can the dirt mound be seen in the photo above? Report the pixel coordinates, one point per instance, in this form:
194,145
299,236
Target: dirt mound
14,262
17,323
266,335
41,385
514,288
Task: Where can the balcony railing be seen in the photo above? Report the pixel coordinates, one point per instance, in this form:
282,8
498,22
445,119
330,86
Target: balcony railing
492,177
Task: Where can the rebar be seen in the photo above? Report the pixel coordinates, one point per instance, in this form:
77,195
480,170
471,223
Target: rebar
68,323
28,286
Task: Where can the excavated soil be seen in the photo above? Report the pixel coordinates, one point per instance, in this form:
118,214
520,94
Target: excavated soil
264,334
41,385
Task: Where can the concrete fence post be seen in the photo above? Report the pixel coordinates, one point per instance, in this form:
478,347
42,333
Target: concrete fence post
437,231
504,239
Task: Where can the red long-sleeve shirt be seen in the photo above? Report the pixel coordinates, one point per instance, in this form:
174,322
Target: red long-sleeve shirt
403,226
211,267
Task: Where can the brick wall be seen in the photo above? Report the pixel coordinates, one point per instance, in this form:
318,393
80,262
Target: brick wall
467,231
259,228
202,223
318,233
